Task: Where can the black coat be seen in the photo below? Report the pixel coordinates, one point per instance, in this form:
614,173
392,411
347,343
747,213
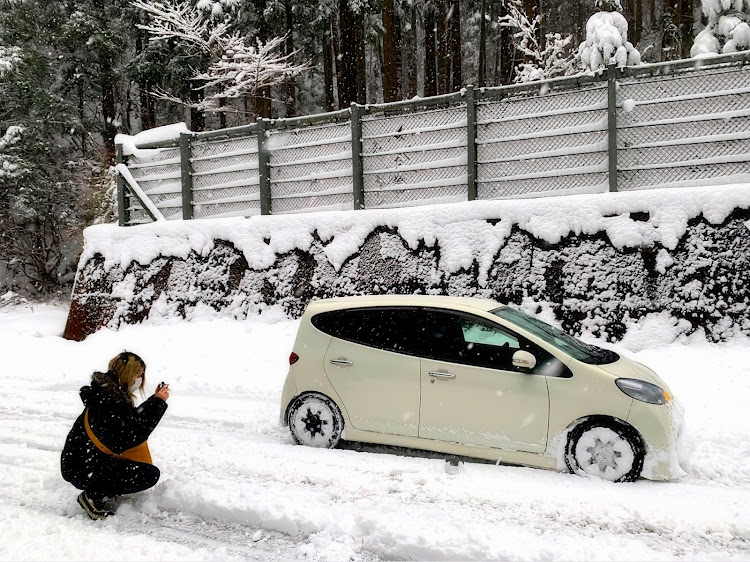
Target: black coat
113,420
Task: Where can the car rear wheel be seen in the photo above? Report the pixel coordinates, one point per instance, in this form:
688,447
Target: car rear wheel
606,449
315,421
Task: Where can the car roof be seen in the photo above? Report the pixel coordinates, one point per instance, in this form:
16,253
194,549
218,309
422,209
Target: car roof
436,301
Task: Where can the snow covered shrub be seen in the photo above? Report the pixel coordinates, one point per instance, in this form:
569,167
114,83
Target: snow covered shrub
552,59
727,30
607,43
9,57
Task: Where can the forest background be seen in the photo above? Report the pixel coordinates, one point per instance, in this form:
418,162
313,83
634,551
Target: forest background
75,73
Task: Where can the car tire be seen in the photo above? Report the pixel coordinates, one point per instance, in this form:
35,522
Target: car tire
605,448
315,421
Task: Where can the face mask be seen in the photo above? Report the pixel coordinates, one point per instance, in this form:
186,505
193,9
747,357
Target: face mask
136,384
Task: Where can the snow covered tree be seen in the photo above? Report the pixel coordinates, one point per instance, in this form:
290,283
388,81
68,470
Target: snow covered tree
92,45
549,59
46,156
607,39
234,67
727,30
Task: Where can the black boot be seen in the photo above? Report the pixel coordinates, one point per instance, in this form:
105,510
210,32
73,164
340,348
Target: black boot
93,504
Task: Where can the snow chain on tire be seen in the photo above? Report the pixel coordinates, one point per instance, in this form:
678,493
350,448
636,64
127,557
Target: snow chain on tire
626,432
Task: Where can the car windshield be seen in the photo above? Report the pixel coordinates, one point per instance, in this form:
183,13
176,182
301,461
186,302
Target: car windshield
574,347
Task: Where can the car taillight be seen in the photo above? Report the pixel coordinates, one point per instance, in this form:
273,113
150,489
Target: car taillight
293,358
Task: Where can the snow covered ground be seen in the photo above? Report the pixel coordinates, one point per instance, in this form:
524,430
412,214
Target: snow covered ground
234,486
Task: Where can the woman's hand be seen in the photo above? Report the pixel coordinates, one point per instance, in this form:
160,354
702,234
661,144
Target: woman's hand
162,391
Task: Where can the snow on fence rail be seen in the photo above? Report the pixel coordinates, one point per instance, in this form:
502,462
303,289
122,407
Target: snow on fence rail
667,124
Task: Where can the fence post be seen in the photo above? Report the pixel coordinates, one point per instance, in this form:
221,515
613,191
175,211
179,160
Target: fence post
186,173
264,168
471,142
612,125
358,180
122,218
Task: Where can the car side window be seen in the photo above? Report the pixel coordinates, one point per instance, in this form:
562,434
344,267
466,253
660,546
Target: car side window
485,345
390,329
477,332
435,335
461,338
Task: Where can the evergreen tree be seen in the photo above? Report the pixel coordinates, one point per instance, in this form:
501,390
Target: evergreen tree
38,191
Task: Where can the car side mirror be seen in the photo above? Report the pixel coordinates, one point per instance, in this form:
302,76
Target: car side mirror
524,360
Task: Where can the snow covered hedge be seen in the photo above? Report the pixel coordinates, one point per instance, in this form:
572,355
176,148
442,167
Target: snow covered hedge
599,263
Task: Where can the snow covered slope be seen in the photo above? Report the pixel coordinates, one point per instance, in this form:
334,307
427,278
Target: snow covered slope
599,263
234,485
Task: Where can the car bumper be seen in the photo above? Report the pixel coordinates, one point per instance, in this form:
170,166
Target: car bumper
661,427
287,395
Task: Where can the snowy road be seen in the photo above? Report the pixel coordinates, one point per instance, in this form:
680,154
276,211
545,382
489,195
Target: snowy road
235,486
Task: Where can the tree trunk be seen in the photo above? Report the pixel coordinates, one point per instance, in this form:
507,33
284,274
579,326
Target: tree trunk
400,87
338,67
108,113
454,23
637,31
430,67
410,56
328,67
262,98
506,51
390,62
290,100
443,46
222,114
347,83
146,102
684,19
481,62
197,117
360,66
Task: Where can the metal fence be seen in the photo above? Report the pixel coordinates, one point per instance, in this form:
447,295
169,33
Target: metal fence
663,125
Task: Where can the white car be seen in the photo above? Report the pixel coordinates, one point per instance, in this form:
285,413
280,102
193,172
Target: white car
472,377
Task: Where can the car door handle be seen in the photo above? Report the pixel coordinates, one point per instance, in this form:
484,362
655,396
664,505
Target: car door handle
442,375
342,362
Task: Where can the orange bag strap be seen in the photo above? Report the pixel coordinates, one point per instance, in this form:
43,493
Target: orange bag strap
99,445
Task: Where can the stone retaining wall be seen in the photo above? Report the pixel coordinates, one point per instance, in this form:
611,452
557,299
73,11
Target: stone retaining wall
589,284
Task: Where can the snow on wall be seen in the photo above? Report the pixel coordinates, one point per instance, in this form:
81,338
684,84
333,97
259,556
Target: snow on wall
599,262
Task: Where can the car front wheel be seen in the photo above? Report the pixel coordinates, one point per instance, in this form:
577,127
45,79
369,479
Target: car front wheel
606,449
315,421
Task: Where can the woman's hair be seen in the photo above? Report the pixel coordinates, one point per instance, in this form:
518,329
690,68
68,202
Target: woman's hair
127,367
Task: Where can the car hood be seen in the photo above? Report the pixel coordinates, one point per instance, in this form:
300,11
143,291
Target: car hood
627,368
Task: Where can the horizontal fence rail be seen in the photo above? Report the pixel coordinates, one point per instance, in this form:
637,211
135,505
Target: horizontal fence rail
673,124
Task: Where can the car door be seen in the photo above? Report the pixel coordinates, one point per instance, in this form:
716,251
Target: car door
368,365
472,394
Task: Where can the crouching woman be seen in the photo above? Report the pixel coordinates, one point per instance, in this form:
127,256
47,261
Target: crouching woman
106,454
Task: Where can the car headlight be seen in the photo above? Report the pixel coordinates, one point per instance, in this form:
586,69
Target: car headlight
643,391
